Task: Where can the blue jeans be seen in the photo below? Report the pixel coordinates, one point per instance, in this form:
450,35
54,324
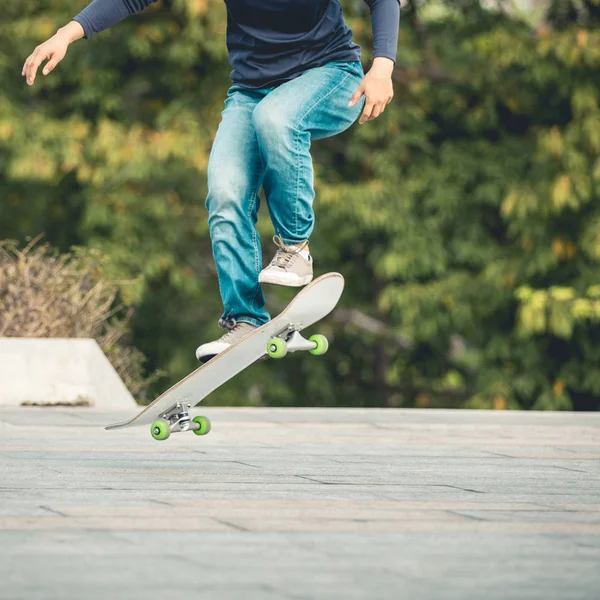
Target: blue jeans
264,140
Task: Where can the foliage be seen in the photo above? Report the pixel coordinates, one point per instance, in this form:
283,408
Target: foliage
44,294
465,219
481,180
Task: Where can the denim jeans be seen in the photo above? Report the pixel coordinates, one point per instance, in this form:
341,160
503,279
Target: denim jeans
264,140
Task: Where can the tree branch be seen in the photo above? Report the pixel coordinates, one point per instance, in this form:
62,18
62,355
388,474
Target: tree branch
369,324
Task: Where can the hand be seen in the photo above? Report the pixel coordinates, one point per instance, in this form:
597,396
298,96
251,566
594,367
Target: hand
52,50
377,88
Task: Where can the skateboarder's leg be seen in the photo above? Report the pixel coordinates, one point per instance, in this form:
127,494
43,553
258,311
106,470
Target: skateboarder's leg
312,106
235,173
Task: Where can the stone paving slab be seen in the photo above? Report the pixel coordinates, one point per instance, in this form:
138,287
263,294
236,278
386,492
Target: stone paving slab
301,504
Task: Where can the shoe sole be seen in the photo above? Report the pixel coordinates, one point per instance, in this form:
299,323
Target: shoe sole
206,358
274,280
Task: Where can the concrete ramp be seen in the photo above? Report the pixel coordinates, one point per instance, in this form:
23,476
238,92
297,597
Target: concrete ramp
67,372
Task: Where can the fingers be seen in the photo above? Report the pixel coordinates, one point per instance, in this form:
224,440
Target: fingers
367,112
379,108
32,65
373,110
51,64
358,94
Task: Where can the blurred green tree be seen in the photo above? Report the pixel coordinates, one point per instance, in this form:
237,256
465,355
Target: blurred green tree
480,183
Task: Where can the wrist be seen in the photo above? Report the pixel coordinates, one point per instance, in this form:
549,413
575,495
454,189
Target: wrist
72,32
383,64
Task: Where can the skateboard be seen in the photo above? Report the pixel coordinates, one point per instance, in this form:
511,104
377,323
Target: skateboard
170,412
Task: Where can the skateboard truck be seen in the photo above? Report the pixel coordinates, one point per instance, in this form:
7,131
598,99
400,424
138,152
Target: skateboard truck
291,340
297,342
177,419
179,416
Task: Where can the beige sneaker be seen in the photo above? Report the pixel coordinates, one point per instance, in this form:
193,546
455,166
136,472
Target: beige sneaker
235,332
291,265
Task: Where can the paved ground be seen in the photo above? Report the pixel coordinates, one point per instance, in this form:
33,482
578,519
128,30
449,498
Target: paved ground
301,505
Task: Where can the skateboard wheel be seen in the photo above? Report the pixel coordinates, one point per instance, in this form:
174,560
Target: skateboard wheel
160,429
276,348
204,423
321,342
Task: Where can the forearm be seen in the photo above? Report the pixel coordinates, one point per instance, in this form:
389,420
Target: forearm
102,14
385,19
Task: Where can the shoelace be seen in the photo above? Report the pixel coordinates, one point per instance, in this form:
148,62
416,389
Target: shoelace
229,325
285,256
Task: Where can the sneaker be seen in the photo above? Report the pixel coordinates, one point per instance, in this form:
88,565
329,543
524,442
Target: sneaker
235,331
291,265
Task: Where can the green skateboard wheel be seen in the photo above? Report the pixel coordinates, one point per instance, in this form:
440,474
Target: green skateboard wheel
321,342
276,348
204,423
160,430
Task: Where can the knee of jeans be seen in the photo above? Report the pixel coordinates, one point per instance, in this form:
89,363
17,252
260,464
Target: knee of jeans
223,213
226,191
271,123
223,223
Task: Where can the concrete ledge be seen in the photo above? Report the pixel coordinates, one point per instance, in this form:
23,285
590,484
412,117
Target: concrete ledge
49,372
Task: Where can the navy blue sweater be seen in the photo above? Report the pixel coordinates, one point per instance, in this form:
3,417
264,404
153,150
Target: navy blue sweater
272,41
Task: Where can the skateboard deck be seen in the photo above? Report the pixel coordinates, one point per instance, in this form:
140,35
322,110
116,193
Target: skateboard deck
275,338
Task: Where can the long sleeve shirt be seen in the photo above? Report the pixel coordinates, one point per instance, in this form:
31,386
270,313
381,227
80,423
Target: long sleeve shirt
272,41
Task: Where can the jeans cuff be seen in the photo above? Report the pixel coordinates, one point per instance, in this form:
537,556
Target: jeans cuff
289,242
250,320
